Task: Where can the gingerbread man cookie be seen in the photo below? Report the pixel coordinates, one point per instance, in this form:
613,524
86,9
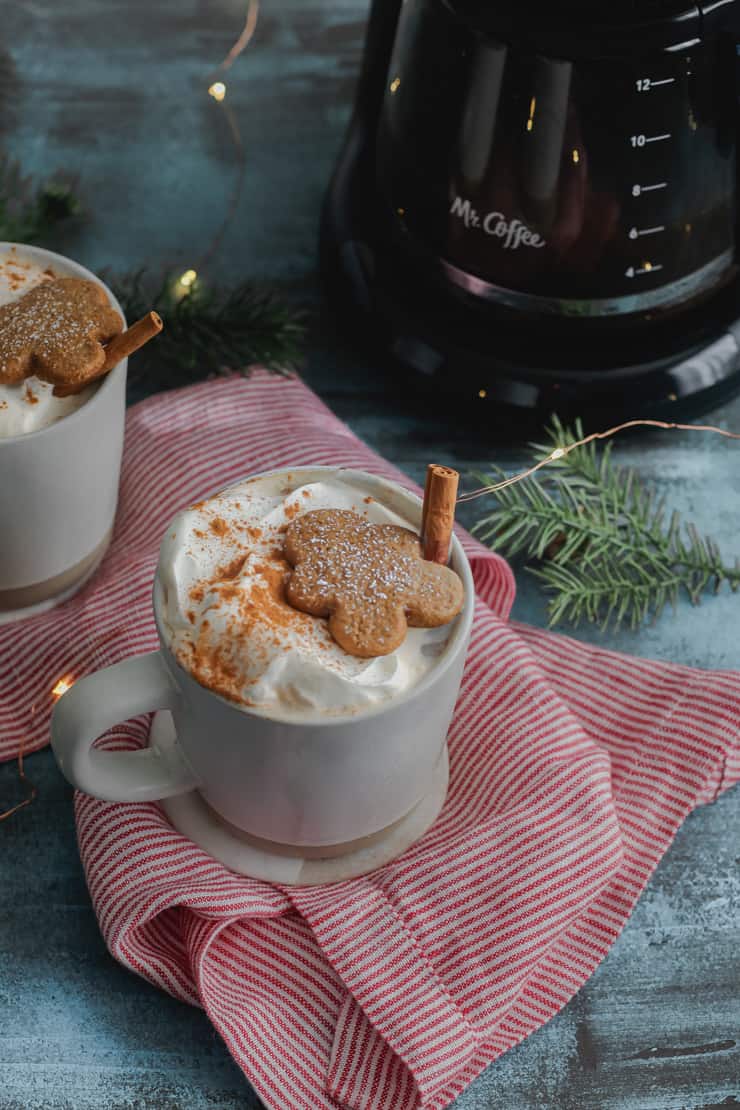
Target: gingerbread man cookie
370,580
56,332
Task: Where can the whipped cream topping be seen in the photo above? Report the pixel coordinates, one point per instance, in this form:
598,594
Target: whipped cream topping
226,620
29,405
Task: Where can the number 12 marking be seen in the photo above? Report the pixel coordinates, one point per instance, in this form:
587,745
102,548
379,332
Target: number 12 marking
645,84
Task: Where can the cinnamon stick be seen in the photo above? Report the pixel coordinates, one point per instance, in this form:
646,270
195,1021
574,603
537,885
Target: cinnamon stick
425,502
119,348
438,512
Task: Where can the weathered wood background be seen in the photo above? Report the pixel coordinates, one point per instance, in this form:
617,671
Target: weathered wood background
113,91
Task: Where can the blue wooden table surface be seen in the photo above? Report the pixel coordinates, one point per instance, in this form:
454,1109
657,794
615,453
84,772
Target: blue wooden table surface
115,93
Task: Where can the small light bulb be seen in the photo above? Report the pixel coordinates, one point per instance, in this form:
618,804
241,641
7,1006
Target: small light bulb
576,155
62,686
395,84
482,393
558,453
217,90
647,267
187,280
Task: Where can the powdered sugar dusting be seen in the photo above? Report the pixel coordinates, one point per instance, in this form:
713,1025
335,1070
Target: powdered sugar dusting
368,578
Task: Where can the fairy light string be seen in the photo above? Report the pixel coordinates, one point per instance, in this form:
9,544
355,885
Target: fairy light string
26,782
61,685
563,450
217,90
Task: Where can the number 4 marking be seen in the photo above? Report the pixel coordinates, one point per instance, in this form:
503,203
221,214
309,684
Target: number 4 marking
648,268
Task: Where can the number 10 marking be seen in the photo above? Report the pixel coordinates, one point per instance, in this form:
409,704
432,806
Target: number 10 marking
640,140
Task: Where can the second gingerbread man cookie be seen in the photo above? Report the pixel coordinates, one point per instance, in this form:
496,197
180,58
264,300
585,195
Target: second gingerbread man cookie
370,580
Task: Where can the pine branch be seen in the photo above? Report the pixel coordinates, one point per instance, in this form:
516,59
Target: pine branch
606,550
603,592
210,330
29,211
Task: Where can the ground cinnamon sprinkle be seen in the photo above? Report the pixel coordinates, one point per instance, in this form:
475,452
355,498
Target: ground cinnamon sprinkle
263,606
230,570
218,526
251,622
227,592
269,597
211,668
31,397
14,270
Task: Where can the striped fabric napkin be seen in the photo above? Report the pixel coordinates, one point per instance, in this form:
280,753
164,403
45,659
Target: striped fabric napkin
571,770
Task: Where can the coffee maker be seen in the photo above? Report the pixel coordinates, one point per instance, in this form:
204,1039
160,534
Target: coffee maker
535,207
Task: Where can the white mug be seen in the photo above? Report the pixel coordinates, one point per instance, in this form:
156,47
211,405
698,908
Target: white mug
59,485
311,783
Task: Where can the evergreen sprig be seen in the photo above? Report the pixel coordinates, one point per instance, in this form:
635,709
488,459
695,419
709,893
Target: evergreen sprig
209,330
28,211
606,550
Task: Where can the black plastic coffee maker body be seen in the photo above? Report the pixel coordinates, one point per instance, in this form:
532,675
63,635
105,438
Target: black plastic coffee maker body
536,205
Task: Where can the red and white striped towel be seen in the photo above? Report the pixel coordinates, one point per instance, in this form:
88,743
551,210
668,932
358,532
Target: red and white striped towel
571,770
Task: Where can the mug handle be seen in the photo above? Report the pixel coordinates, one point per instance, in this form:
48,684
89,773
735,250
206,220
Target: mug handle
104,699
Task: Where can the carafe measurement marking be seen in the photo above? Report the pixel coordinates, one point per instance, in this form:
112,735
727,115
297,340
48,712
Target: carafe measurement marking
642,140
638,190
634,271
645,84
636,232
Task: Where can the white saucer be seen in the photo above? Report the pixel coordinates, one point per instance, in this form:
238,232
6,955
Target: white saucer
245,855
